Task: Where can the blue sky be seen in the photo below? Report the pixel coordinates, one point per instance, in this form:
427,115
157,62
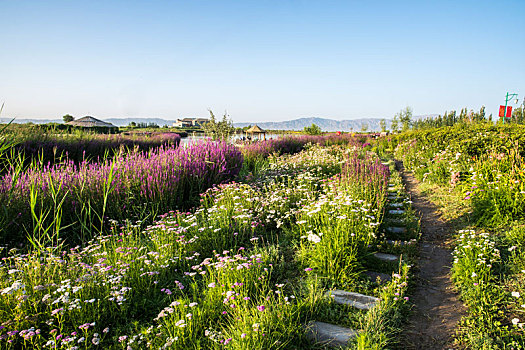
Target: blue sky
259,60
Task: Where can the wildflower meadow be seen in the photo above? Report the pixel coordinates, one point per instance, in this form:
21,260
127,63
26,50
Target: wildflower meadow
198,248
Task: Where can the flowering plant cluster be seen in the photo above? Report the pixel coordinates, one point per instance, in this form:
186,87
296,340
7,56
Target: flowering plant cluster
338,227
211,277
78,147
134,184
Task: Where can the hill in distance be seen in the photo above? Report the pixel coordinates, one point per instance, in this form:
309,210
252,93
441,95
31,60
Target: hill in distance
372,124
325,124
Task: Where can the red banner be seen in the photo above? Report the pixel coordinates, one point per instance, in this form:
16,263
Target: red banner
502,111
509,112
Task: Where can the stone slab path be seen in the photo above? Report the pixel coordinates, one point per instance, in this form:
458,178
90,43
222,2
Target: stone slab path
330,334
437,308
386,257
359,301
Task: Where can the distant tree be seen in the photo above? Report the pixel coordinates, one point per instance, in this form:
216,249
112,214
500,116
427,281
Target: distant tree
312,130
452,118
219,130
382,125
482,113
517,115
68,118
364,126
405,118
132,125
462,115
395,124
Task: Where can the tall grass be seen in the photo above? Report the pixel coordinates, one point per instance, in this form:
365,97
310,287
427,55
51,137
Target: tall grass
55,146
128,186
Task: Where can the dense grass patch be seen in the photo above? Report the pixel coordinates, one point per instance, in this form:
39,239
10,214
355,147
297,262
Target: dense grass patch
482,166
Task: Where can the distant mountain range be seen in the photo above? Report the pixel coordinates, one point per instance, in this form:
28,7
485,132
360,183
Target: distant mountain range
372,124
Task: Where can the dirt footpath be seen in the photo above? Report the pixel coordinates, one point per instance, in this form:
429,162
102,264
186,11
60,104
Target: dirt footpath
437,308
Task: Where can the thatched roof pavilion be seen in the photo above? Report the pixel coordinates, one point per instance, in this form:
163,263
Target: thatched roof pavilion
256,130
90,122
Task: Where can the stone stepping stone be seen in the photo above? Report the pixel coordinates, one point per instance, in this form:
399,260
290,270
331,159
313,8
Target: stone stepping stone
385,163
401,243
395,229
396,212
359,301
392,200
330,334
383,277
396,205
397,222
386,257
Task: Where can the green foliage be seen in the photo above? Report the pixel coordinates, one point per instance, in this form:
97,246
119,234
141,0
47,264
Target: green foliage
68,118
219,130
518,115
483,164
405,118
382,125
147,125
364,127
395,124
312,130
483,161
383,321
450,119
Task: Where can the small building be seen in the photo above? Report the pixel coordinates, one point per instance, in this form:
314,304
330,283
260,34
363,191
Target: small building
189,122
183,123
256,130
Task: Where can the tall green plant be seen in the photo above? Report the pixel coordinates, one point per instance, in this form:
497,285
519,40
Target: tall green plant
218,130
45,233
8,159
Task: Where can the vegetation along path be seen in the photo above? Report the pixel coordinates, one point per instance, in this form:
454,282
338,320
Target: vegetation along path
437,309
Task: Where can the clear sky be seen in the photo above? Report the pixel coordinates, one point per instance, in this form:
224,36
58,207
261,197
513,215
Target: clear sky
259,60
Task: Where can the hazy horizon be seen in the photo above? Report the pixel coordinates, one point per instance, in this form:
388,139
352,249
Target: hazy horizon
260,61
